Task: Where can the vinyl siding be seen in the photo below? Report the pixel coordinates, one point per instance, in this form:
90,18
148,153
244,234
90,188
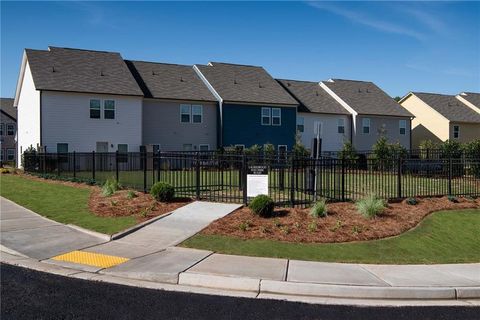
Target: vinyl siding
468,131
66,119
28,114
428,124
161,125
331,139
242,125
364,141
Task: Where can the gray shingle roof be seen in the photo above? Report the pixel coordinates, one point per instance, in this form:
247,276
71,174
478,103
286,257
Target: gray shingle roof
312,97
449,106
64,69
472,97
241,83
6,104
366,98
169,81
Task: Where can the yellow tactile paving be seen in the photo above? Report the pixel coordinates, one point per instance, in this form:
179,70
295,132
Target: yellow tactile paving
91,259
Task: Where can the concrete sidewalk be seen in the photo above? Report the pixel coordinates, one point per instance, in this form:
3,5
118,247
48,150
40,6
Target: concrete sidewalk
154,259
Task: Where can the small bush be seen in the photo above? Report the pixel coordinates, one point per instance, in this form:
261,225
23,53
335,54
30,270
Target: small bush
262,205
4,170
452,199
163,191
131,194
277,223
356,230
264,229
285,230
312,226
371,206
337,226
319,209
412,201
244,226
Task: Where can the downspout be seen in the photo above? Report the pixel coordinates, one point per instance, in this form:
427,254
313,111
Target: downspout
41,120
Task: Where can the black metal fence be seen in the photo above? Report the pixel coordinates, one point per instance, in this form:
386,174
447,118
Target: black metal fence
292,181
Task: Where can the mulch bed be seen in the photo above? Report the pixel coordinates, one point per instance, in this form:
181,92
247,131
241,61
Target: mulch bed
143,206
343,223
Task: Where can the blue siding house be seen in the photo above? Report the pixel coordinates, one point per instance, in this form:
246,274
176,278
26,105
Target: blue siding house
253,107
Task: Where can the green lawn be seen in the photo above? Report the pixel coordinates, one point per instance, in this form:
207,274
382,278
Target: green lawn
443,237
60,203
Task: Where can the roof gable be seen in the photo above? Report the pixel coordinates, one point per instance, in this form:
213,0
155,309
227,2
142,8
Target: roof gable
247,84
64,69
312,97
6,104
169,81
449,107
366,98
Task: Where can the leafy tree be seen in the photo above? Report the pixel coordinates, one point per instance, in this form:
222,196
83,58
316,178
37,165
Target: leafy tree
348,151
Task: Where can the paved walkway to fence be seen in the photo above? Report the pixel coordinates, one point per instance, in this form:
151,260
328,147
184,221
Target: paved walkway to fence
149,254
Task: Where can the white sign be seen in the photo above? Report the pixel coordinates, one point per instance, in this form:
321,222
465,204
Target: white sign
257,184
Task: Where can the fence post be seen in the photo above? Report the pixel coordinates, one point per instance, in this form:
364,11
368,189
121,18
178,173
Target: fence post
74,165
244,178
292,183
58,165
399,178
450,175
343,179
144,156
93,165
116,165
197,176
159,157
44,163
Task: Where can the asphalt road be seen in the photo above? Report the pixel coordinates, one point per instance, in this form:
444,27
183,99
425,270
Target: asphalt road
27,294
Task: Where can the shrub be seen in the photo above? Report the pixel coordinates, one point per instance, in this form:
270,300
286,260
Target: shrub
472,151
425,148
312,226
452,199
348,151
253,150
412,201
131,194
244,226
262,205
162,191
269,150
277,223
370,206
319,209
285,229
4,170
110,187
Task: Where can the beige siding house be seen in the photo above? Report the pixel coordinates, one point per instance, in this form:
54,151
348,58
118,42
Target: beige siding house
441,117
8,131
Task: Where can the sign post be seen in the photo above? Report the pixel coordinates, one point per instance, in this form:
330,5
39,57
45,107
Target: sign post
257,180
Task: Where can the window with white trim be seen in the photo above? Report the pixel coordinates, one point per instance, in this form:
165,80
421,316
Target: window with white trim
10,129
185,110
10,154
197,113
109,109
203,147
341,125
187,147
456,132
366,125
266,112
276,117
94,109
62,147
403,127
300,124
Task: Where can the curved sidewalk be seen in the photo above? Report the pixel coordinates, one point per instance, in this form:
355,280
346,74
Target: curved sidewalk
157,264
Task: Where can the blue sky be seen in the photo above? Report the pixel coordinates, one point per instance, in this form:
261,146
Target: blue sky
401,46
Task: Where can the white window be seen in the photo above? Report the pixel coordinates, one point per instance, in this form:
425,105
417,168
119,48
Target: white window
62,147
403,127
109,109
10,129
187,147
94,109
456,132
2,129
266,116
300,124
366,125
203,147
341,125
185,110
197,113
276,116
122,148
10,154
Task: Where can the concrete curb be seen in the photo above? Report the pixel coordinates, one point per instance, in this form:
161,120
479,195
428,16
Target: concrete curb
102,236
136,227
273,289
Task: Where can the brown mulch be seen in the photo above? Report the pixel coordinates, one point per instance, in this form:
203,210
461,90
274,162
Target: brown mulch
143,206
343,223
